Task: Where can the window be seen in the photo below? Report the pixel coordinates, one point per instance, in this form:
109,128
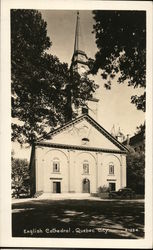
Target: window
56,166
85,141
85,167
111,168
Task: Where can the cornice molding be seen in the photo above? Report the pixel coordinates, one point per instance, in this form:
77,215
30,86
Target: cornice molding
81,148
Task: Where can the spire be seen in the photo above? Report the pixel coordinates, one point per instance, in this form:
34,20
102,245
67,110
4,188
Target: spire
79,58
77,33
79,64
78,43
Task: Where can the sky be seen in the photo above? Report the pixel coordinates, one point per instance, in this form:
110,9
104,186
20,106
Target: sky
114,106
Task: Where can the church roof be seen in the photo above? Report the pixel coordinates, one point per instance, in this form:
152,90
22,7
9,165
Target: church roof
93,123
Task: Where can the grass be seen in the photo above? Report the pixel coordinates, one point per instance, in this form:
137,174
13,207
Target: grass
78,219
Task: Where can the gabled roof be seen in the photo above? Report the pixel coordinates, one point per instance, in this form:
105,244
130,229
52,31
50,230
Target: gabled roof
93,123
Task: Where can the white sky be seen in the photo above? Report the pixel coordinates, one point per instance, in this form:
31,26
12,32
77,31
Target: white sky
114,105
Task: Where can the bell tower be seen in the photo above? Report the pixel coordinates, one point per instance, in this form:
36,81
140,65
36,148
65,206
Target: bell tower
79,64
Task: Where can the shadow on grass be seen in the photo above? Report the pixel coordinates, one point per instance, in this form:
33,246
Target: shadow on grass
78,219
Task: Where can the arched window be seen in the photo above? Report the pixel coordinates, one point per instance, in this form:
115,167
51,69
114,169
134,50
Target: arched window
111,168
56,165
85,167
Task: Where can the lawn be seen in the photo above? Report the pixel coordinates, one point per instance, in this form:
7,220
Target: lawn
78,219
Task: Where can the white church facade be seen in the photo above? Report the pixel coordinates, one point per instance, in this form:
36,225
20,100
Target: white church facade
80,156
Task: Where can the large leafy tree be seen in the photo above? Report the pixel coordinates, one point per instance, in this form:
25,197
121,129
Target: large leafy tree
136,170
20,176
121,43
43,90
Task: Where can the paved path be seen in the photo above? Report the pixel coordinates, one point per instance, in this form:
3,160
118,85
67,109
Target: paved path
67,196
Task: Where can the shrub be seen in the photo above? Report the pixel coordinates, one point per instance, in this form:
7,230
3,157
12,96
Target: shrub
103,189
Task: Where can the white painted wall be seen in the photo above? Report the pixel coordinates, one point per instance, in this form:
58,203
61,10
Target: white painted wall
62,176
71,165
116,177
124,171
80,176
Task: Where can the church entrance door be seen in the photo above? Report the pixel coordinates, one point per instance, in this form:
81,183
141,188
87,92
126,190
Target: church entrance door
112,186
86,186
56,187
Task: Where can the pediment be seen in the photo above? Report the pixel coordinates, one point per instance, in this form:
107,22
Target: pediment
84,131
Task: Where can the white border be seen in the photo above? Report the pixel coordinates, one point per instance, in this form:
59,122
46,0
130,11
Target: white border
5,141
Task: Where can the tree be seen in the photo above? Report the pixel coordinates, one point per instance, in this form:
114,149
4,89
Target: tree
136,170
121,43
42,89
141,129
20,176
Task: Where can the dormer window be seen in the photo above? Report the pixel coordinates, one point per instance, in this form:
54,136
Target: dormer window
85,141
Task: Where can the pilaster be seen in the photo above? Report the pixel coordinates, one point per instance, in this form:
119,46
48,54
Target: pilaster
124,171
71,170
100,170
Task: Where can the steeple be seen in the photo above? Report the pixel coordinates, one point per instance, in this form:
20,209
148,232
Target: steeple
77,33
79,58
80,64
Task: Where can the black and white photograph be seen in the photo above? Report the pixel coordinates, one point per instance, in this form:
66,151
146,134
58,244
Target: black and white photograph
79,109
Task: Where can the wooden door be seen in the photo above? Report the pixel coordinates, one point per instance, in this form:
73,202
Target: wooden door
112,186
86,186
56,187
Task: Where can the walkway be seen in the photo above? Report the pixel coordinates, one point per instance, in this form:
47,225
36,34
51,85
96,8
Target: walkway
69,196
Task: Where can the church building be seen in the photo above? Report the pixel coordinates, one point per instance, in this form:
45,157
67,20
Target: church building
81,156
